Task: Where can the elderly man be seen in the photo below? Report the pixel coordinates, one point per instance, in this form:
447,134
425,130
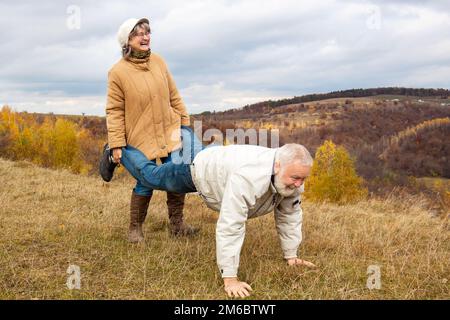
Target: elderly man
240,181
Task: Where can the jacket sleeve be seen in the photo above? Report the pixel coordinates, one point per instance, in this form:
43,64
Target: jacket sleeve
230,229
176,102
115,112
288,220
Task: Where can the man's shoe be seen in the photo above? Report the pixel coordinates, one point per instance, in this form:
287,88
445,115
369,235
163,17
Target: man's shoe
107,165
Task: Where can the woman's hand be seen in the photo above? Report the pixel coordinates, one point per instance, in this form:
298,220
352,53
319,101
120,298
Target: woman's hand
117,154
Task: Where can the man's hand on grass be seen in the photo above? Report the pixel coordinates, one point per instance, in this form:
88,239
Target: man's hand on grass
300,262
236,288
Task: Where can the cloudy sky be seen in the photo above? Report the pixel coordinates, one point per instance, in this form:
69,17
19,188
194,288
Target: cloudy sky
55,55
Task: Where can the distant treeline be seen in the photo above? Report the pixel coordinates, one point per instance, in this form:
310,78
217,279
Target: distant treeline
366,131
351,93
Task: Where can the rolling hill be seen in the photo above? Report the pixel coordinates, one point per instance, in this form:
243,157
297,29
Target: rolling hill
51,219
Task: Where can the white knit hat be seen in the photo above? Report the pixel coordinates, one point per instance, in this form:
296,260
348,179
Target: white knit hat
125,29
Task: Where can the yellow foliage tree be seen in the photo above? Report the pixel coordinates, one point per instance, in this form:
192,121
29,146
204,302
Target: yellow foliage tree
44,144
50,144
88,146
333,177
65,148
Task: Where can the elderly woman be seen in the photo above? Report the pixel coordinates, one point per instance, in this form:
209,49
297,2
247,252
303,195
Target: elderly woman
144,111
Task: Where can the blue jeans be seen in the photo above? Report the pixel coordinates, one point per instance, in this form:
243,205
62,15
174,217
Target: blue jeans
174,175
140,188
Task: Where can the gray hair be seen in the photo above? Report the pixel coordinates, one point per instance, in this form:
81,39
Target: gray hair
126,50
293,152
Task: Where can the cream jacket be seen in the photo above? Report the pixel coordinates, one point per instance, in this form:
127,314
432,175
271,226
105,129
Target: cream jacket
236,181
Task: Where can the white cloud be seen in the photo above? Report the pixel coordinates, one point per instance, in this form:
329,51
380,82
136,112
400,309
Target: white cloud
224,53
56,102
197,95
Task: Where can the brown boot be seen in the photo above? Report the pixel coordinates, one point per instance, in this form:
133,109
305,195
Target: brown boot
138,212
175,204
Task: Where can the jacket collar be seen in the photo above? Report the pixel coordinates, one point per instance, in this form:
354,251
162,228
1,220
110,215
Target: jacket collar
139,64
272,187
272,177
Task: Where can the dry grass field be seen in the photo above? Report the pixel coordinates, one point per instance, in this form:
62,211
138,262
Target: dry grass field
52,219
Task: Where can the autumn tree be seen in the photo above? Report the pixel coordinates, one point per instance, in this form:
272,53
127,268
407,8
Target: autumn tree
333,177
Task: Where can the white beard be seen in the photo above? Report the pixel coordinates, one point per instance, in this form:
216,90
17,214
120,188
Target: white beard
282,189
